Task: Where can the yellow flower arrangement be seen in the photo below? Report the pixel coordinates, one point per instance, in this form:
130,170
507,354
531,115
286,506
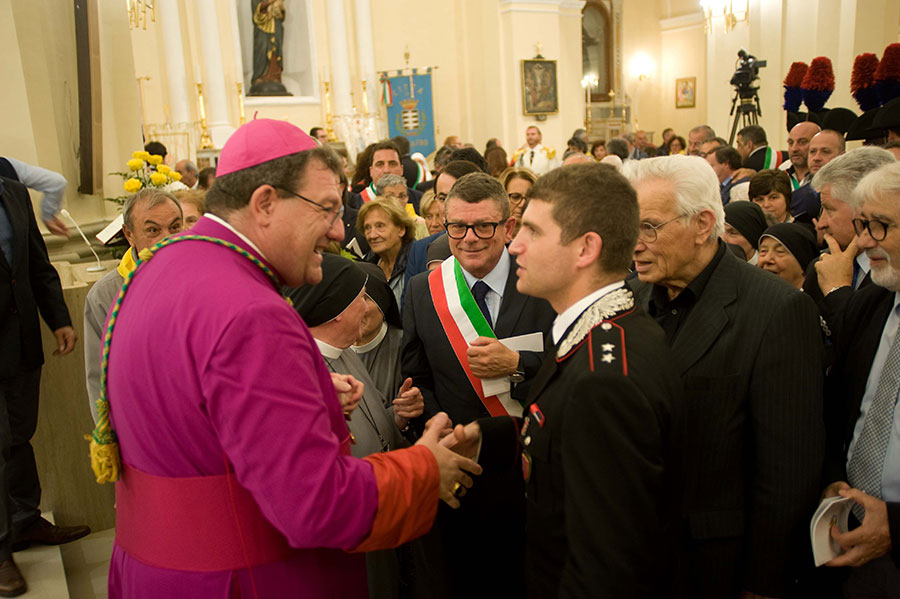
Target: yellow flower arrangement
144,170
133,185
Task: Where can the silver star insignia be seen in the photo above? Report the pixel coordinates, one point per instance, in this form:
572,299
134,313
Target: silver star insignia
606,326
608,358
608,347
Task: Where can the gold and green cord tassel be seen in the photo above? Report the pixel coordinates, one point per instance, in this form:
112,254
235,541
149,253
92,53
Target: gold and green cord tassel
106,462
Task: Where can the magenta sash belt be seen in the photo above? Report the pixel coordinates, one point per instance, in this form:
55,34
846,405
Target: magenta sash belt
197,524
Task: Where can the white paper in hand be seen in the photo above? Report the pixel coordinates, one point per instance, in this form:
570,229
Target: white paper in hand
833,511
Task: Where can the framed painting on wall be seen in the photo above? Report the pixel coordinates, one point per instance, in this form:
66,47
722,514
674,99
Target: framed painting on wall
539,91
686,92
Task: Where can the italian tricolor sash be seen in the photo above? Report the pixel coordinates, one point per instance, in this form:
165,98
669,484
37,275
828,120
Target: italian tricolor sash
773,158
368,194
462,321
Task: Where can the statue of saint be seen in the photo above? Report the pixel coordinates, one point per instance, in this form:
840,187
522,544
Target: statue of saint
268,43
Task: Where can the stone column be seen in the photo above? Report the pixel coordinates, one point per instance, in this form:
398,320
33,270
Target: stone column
340,63
176,76
365,51
214,94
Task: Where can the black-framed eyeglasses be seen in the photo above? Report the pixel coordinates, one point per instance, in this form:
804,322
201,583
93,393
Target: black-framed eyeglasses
481,230
648,232
335,214
516,198
877,229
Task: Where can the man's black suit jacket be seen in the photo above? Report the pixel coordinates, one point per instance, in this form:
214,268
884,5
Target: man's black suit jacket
429,359
484,539
752,431
856,343
600,517
28,285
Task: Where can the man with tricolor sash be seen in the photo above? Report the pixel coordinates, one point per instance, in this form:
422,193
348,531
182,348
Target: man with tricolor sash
755,150
594,444
472,343
385,161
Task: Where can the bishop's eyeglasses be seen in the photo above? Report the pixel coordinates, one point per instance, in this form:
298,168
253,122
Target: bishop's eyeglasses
335,213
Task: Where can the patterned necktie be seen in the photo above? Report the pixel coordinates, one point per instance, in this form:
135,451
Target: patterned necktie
531,160
867,463
479,291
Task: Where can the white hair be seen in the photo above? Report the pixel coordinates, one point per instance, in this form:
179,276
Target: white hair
847,170
882,185
612,160
694,184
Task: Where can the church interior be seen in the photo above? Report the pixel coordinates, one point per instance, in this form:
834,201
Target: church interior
88,83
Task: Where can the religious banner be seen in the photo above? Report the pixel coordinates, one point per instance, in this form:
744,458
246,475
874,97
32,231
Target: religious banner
410,110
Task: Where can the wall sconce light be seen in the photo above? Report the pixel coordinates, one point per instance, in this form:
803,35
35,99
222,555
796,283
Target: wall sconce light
641,66
726,8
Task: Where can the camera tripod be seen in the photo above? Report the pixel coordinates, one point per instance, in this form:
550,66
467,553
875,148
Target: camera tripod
748,111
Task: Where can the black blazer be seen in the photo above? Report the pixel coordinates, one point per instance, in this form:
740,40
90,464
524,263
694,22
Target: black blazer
27,286
856,343
600,520
832,305
429,359
750,356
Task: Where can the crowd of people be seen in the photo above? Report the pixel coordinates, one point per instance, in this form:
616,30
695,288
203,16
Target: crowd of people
627,370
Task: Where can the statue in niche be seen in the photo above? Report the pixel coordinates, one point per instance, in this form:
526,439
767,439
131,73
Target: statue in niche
268,44
595,49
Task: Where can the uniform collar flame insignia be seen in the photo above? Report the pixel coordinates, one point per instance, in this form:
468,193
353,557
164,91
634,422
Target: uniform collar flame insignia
607,306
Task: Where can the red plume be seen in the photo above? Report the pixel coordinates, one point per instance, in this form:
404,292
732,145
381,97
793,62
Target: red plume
818,83
862,81
796,73
887,75
889,67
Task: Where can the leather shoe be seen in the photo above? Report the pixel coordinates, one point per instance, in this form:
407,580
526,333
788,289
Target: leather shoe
11,582
44,533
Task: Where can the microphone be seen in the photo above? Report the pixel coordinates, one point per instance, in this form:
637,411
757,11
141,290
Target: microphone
98,267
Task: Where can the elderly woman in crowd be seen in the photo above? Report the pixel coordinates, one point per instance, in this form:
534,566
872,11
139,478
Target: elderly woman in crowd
786,249
517,182
193,205
380,333
389,232
432,211
771,190
744,225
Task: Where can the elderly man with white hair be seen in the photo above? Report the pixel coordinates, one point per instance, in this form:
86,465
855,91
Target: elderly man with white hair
844,268
747,347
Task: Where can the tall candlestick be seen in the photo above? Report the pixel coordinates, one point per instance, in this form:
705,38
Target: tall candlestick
205,139
240,92
365,98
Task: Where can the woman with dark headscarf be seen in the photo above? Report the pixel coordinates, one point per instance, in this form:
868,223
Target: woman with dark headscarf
786,249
